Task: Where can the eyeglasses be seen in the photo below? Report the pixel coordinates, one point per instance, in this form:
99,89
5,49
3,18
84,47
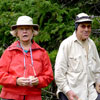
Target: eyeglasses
84,26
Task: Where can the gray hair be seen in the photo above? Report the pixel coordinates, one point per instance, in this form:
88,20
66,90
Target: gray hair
14,32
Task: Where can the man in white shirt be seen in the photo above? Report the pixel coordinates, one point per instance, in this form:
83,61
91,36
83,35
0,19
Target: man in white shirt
77,63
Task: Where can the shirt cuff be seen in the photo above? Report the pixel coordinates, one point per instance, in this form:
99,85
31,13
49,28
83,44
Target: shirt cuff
66,89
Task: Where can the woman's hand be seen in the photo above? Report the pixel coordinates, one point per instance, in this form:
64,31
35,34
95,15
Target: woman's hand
33,80
22,81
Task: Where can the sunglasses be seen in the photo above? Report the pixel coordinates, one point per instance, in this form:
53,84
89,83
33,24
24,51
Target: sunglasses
84,26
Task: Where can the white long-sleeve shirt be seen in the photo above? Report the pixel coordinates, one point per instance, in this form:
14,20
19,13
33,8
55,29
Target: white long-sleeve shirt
76,69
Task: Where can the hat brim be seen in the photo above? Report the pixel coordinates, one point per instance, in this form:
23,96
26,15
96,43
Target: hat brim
35,26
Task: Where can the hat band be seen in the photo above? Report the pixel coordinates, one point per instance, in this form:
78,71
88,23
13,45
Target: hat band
84,17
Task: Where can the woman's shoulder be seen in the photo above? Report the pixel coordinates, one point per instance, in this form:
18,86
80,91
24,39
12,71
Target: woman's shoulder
14,45
36,46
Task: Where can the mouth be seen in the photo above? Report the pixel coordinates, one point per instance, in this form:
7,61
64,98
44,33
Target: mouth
86,34
25,36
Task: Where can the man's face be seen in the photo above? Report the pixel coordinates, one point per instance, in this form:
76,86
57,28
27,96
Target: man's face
83,31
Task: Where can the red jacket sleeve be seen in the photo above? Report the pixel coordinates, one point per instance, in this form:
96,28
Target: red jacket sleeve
5,77
47,73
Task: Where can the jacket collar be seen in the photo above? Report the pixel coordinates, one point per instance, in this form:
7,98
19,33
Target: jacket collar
16,45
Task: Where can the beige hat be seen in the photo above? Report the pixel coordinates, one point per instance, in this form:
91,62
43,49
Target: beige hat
24,20
83,17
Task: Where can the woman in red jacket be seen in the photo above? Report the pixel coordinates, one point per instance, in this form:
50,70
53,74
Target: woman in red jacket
25,67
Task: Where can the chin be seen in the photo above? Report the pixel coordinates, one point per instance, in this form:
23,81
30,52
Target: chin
25,40
84,39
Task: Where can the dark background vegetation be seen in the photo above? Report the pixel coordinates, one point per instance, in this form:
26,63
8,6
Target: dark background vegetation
56,20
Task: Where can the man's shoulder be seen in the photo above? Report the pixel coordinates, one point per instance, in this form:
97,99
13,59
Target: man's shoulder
91,41
66,43
68,40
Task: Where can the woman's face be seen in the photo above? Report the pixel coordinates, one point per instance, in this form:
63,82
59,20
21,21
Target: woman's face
25,33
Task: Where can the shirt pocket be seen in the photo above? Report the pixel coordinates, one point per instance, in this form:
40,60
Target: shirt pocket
75,64
92,64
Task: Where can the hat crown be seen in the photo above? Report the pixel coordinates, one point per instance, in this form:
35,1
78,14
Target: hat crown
24,20
83,17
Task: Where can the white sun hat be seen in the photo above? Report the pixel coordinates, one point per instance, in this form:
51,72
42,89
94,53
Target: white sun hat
22,21
83,17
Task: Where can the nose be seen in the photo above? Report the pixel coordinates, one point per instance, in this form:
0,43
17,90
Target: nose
86,28
24,30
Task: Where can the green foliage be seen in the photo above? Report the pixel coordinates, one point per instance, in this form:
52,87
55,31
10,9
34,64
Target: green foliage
55,21
96,32
96,23
55,18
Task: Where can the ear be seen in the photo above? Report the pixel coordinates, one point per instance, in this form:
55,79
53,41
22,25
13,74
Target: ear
14,33
35,33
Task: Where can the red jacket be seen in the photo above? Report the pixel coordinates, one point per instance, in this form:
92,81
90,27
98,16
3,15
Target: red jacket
12,66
